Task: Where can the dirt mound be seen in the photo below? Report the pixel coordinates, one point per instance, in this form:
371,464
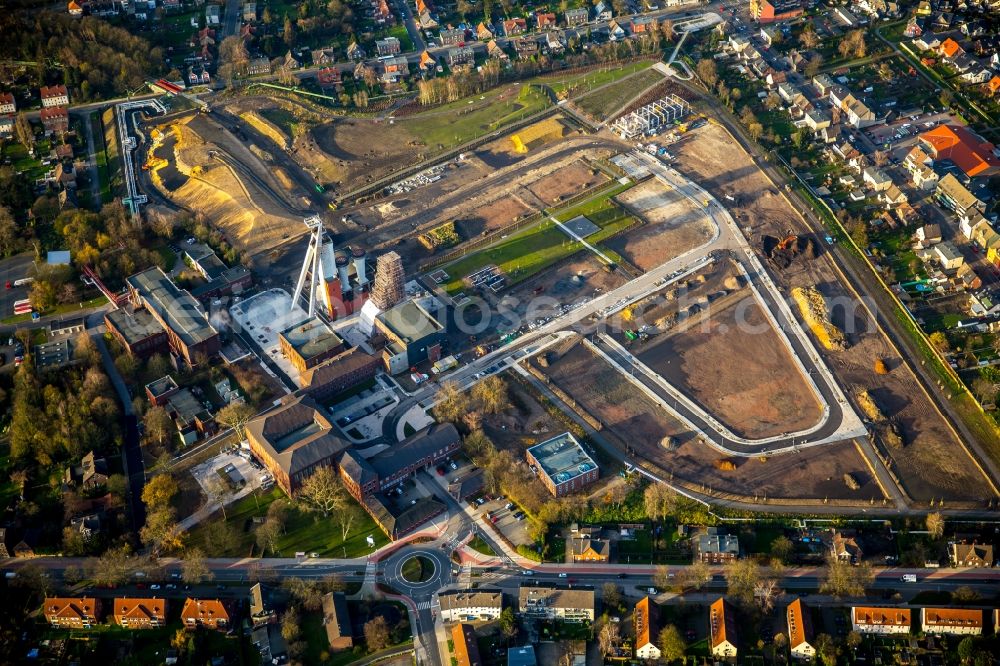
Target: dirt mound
783,252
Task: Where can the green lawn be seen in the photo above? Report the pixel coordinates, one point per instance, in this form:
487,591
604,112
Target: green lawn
305,531
480,546
605,103
534,248
59,309
456,123
418,569
580,84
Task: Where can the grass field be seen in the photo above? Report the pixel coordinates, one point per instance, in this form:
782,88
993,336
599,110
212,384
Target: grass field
418,569
304,531
580,84
605,103
534,248
480,546
59,309
453,124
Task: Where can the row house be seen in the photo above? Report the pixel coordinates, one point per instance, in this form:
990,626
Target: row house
140,613
722,629
53,96
470,605
953,621
800,632
71,612
208,613
920,167
7,103
879,620
55,120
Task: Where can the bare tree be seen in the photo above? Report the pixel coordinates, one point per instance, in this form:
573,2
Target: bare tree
194,569
236,415
765,593
609,638
25,133
322,491
935,525
880,158
217,491
377,634
491,393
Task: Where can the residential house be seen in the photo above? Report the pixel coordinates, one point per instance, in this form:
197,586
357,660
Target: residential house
858,114
992,87
978,555
324,57
208,613
387,46
646,633
7,104
198,75
470,605
355,52
515,26
893,196
976,75
55,120
927,235
919,165
823,83
212,15
394,68
329,77
554,602
948,255
774,78
92,472
816,119
844,546
602,11
879,620
258,66
71,612
615,31
876,178
452,37
767,11
553,43
140,613
722,629
525,48
591,550
715,547
260,614
466,648
967,150
337,622
966,278
545,21
53,96
249,12
74,8
576,17
954,621
968,224
6,126
949,48
426,64
927,42
800,633
954,196
462,55
484,33
493,50
642,25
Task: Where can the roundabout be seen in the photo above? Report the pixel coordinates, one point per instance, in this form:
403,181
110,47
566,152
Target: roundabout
418,572
417,569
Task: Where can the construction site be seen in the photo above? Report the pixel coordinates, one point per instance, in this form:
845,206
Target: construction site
717,351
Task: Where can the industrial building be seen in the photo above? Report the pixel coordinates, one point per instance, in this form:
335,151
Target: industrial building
293,441
189,334
562,464
413,336
137,331
327,272
651,118
340,373
309,343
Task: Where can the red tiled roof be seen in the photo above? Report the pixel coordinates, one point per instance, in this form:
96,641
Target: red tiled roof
994,84
950,48
969,152
52,91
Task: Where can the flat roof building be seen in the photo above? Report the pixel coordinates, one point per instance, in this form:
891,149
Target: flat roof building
555,602
137,331
413,333
562,464
470,605
293,441
188,331
340,373
309,343
715,547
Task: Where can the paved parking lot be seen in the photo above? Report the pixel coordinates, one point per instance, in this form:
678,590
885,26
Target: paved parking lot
206,473
11,269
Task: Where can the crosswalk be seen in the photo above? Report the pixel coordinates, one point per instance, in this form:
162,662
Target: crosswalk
370,567
424,605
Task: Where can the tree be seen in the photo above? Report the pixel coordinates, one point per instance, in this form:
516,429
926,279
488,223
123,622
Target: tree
966,649
290,625
24,132
508,623
853,640
159,491
452,403
667,28
233,57
935,525
812,67
808,38
194,569
939,341
158,424
8,233
268,534
612,595
781,548
765,593
742,577
842,579
322,491
220,538
880,158
826,650
672,644
964,594
694,576
707,72
491,393
755,130
236,415
114,567
346,515
161,532
217,491
609,638
288,34
377,634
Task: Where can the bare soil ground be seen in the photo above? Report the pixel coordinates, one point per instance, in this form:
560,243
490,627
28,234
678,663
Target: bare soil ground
363,150
673,226
524,425
933,463
759,392
566,182
492,216
630,418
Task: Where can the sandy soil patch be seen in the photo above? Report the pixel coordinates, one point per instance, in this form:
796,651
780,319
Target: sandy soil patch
566,182
673,226
365,150
757,392
492,216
